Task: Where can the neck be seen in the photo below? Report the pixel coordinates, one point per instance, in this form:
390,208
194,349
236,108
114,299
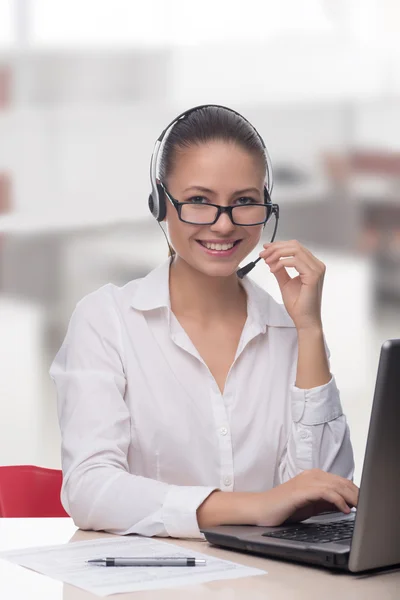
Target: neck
195,294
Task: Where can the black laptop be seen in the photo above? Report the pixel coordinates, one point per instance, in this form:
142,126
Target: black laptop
367,538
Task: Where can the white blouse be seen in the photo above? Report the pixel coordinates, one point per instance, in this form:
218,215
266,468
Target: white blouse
146,433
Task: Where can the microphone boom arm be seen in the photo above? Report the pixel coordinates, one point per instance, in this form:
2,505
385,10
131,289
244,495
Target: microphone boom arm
247,268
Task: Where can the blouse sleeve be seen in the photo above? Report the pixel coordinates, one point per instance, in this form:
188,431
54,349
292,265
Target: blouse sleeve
99,491
319,435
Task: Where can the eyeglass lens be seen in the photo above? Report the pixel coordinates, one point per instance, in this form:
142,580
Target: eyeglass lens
251,214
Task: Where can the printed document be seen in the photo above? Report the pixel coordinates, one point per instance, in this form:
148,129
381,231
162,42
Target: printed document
67,562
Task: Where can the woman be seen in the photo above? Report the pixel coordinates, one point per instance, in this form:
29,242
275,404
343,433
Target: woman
190,398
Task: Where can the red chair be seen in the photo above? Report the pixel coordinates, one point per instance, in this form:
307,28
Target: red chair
30,491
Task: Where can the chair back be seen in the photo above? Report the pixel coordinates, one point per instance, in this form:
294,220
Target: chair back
30,491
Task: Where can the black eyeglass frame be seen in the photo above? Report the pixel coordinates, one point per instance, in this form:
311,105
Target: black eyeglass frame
273,210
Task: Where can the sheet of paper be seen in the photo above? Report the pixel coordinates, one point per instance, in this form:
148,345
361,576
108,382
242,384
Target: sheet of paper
67,563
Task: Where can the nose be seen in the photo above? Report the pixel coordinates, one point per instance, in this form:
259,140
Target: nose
224,225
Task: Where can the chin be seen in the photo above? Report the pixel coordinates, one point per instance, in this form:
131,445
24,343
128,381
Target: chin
216,269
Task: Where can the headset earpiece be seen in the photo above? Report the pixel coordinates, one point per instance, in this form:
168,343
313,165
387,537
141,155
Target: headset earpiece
162,207
151,204
158,208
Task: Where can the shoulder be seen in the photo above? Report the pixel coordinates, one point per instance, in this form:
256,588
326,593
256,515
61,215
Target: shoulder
143,293
105,303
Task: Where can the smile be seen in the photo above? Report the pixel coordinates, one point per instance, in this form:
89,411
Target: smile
212,246
219,247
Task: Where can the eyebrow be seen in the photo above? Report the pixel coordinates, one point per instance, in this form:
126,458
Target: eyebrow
208,191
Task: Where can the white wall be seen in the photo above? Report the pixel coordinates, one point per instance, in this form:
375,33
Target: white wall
21,389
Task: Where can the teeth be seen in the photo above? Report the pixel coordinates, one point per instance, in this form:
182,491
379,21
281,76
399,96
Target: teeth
218,246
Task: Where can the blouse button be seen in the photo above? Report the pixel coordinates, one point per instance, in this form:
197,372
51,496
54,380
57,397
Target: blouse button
223,430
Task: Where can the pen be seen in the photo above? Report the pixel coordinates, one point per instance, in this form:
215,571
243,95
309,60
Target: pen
161,561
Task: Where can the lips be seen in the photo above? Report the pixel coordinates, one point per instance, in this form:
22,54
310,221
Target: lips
219,248
218,242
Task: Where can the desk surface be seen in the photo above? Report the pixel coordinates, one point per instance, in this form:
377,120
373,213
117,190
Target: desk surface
284,581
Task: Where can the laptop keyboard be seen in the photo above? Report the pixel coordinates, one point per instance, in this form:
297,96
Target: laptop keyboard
316,532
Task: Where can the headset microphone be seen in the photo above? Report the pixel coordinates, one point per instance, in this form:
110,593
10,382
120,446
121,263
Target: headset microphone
250,266
247,268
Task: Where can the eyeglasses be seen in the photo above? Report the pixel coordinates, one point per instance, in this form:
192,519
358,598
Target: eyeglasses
252,213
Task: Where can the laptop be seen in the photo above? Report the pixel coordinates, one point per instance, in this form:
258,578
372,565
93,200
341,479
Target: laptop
367,538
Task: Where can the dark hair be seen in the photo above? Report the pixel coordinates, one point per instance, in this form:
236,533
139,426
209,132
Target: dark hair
206,124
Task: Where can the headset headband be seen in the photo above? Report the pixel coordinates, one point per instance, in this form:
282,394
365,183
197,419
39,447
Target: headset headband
156,199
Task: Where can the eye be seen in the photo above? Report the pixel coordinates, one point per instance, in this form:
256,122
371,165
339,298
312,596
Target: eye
197,200
246,200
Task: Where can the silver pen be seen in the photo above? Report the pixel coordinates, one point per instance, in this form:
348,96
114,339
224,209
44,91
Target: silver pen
162,561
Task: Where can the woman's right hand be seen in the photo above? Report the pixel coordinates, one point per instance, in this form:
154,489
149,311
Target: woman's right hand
306,495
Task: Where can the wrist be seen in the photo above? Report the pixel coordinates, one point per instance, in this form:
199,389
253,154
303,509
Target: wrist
229,508
275,506
269,508
312,362
314,330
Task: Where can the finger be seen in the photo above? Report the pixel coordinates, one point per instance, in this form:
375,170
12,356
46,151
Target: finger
280,254
282,277
279,244
315,261
345,487
294,262
346,483
349,494
285,250
351,485
311,255
292,245
336,499
293,248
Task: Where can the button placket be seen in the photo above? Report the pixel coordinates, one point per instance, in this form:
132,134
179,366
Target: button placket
226,475
304,451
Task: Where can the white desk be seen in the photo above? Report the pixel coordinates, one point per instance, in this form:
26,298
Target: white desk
284,581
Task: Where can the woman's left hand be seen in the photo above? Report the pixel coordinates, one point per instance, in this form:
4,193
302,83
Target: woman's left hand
301,295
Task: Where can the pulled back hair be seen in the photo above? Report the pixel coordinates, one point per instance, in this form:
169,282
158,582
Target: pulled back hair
207,124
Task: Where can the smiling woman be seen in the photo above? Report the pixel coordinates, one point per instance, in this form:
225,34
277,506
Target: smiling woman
190,398
225,168
222,150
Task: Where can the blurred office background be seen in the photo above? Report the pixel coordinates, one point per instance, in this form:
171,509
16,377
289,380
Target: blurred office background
86,86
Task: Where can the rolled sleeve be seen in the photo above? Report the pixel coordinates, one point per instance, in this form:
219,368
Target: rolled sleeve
319,436
179,510
316,405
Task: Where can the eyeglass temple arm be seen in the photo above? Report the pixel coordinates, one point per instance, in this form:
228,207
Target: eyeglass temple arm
247,268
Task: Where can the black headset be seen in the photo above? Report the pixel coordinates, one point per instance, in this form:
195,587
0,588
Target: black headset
157,201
